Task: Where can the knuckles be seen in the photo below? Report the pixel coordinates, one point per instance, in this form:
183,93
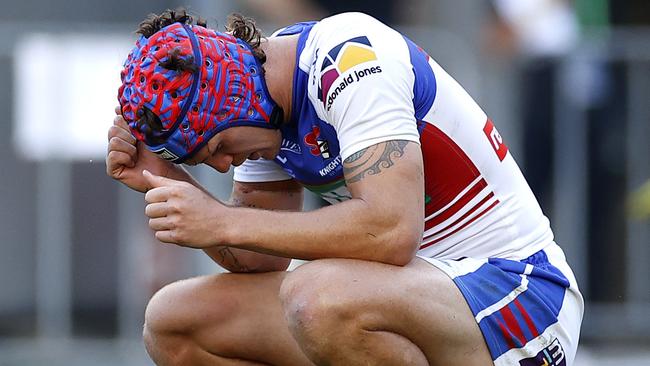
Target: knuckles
121,132
113,131
111,161
175,208
113,143
119,120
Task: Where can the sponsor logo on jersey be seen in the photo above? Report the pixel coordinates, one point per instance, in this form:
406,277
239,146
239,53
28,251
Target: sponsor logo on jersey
495,139
552,355
319,146
338,61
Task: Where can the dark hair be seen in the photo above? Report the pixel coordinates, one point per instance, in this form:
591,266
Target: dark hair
245,29
150,126
238,25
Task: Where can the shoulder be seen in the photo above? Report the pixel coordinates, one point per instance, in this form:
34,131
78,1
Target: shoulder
334,30
294,29
348,47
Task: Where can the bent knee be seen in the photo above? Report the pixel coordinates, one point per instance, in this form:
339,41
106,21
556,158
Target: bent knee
165,311
181,307
312,300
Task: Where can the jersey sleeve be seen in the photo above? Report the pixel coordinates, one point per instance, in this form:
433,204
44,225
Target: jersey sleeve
255,171
367,86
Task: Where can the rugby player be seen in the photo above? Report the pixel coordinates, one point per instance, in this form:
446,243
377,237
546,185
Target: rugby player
433,251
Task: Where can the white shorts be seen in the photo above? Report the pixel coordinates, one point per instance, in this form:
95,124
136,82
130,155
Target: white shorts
529,311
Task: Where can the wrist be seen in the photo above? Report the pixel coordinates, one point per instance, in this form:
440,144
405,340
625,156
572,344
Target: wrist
173,171
232,234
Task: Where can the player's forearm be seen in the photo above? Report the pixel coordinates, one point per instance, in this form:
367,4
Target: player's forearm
177,172
347,230
244,261
283,195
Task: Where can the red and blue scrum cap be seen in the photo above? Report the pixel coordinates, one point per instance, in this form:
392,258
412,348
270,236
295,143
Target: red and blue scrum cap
227,89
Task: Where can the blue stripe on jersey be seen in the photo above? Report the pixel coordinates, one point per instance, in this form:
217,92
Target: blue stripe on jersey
529,314
310,166
295,29
425,87
300,98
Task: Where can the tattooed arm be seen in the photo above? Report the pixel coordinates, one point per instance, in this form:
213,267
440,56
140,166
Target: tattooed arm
382,222
284,195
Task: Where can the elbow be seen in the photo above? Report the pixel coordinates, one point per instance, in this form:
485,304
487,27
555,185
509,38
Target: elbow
402,246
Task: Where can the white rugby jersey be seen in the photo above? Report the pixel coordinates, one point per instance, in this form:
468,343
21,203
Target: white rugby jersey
358,83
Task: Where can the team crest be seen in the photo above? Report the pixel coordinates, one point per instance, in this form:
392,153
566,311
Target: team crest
318,145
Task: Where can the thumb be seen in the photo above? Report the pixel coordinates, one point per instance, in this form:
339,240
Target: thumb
155,181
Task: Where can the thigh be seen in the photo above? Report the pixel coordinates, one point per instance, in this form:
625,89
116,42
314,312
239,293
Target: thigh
417,301
236,316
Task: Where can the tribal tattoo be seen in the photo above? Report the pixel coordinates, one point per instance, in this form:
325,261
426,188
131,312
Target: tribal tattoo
372,160
228,257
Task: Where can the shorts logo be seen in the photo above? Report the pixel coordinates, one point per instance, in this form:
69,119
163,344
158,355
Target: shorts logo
338,60
552,355
318,145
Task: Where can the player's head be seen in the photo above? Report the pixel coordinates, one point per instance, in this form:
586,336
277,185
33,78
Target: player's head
183,83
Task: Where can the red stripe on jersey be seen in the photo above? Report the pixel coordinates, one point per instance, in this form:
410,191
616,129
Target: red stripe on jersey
527,319
476,207
461,227
513,325
447,168
457,206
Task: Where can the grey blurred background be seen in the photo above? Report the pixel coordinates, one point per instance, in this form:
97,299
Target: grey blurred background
567,82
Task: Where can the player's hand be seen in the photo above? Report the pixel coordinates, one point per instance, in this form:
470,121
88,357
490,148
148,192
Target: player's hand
127,158
182,214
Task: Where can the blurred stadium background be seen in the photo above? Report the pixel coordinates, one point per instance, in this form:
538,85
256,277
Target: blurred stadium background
567,82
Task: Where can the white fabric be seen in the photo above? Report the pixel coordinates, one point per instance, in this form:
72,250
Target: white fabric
374,108
261,170
379,107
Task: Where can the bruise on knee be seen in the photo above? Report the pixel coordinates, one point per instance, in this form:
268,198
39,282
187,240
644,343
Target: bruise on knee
316,313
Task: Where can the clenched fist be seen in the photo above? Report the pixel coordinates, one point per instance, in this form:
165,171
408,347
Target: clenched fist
127,158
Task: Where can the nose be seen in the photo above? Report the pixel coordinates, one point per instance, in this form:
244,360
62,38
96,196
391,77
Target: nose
220,162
